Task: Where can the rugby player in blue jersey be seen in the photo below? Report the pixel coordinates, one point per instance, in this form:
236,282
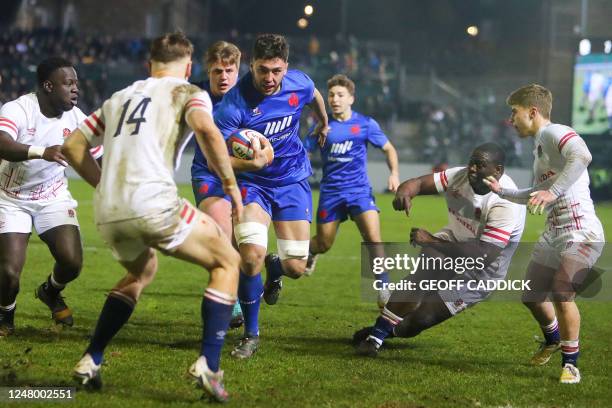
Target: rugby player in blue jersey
223,63
270,99
345,187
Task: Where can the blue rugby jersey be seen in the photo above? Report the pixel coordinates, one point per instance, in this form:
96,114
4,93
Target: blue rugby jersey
345,152
199,167
278,118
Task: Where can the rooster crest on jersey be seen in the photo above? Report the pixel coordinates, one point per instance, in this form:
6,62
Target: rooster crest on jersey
241,142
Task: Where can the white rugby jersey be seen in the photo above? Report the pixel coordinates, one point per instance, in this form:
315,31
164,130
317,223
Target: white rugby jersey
574,209
35,179
143,130
486,217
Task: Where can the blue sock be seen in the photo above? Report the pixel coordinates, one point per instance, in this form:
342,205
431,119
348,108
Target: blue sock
385,324
216,315
383,277
274,269
250,289
551,333
570,351
115,313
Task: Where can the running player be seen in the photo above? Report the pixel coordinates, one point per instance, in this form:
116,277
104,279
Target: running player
137,209
345,187
480,225
222,60
573,238
270,99
34,189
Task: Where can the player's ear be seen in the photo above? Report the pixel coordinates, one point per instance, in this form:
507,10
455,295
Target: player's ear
499,171
532,112
47,86
188,70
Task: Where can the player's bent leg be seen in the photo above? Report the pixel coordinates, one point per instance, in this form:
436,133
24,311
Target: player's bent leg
321,243
64,242
220,210
292,245
252,238
536,300
368,224
12,258
431,312
116,311
293,242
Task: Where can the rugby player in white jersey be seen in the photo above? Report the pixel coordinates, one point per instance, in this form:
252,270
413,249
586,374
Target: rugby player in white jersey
34,190
143,129
481,226
573,238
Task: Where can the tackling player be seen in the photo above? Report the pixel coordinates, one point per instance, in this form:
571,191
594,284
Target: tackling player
137,208
480,225
573,238
223,63
345,187
270,99
34,189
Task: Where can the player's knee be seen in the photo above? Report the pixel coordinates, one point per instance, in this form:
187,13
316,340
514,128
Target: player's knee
251,259
70,269
252,233
324,243
10,273
232,261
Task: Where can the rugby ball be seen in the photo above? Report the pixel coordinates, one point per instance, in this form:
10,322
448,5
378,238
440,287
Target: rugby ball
241,142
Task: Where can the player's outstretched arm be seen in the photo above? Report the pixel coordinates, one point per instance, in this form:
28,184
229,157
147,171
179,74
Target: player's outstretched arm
423,185
76,149
211,142
14,151
318,108
393,164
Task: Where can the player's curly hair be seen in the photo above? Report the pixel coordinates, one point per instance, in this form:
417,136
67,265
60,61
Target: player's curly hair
48,67
269,46
532,95
341,80
224,52
171,47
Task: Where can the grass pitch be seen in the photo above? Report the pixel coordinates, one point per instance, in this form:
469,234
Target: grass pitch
478,358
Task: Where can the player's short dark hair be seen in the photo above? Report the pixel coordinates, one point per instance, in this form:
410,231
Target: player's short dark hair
494,152
532,95
341,80
224,52
48,66
171,47
269,46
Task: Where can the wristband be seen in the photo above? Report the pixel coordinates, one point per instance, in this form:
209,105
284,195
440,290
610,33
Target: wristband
36,152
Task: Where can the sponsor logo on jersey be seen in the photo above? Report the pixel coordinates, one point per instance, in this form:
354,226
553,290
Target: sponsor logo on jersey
355,129
277,125
546,175
71,213
66,132
31,131
256,111
294,100
341,148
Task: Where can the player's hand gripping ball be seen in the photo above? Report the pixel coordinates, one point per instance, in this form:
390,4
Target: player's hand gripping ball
244,143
